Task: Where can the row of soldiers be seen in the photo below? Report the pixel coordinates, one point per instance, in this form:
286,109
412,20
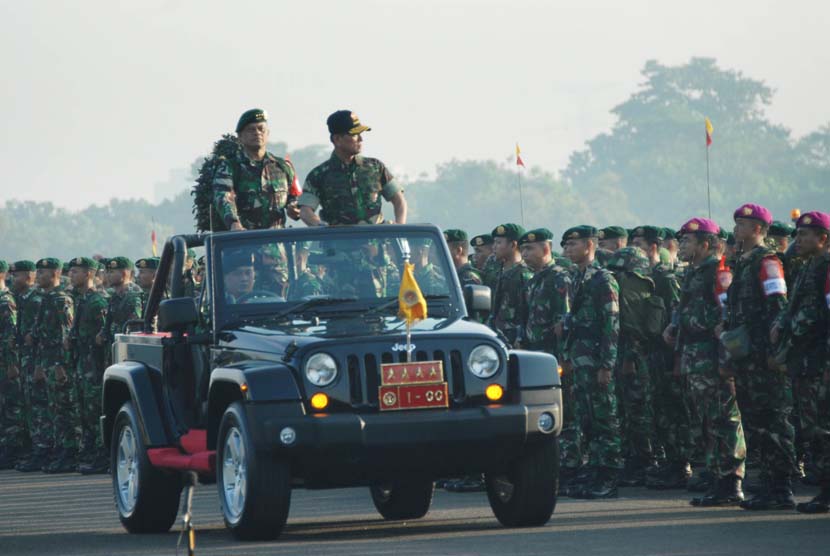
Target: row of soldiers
57,324
675,348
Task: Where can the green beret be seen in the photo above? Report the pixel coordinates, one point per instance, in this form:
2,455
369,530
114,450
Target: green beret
579,232
23,266
4,266
780,229
723,235
191,254
649,233
455,235
84,262
64,267
148,262
483,239
669,233
510,231
49,262
119,263
533,236
235,259
251,116
730,238
613,232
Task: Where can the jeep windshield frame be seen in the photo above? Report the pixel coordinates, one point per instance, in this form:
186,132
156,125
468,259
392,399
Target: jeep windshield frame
226,311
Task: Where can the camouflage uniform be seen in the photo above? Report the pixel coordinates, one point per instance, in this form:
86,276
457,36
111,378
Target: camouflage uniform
430,280
490,272
591,344
699,313
121,307
252,192
468,275
90,309
13,438
349,193
509,301
34,393
756,299
309,283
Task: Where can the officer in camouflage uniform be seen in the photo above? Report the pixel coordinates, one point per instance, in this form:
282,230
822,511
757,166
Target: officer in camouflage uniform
28,298
756,299
348,187
482,250
590,353
13,438
457,243
509,303
672,418
251,190
804,332
698,315
308,283
613,238
191,288
146,268
88,356
429,277
52,365
124,304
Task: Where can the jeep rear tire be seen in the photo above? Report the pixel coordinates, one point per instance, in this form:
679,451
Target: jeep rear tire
147,499
525,496
403,499
254,490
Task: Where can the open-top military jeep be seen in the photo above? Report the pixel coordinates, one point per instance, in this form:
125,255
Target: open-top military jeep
292,369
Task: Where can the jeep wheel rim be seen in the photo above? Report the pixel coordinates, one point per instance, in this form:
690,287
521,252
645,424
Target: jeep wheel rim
127,470
234,474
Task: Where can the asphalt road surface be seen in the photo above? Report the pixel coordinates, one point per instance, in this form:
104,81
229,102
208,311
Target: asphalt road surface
71,514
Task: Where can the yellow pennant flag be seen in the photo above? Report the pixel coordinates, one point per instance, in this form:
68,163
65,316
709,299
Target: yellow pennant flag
411,303
709,131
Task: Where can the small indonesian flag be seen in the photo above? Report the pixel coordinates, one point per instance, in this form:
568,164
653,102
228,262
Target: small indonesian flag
709,131
295,190
519,161
154,243
411,303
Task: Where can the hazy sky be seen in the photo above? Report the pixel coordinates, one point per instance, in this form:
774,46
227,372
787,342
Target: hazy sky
104,98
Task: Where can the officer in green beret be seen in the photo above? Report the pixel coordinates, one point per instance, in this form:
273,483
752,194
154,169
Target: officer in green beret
191,289
590,353
779,235
123,305
13,440
88,359
28,299
457,243
55,427
146,268
613,238
484,260
509,302
671,244
348,187
251,190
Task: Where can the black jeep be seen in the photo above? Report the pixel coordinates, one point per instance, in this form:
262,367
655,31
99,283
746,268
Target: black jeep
292,369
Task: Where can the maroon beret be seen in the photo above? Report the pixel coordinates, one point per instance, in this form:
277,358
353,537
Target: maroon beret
755,212
814,219
700,226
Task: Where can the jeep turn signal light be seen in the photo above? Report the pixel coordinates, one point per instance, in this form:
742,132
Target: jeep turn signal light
243,388
559,370
319,401
494,392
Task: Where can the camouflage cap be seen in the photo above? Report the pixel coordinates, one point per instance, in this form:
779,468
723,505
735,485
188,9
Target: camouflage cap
83,262
482,239
653,234
49,262
119,263
4,266
22,266
780,229
536,235
510,231
452,235
613,232
754,212
814,219
345,121
251,116
579,232
632,259
148,262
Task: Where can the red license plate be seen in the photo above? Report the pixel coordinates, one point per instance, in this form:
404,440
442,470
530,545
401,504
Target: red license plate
416,372
413,396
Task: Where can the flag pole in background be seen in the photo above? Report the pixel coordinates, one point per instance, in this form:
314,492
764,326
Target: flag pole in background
709,130
153,242
520,162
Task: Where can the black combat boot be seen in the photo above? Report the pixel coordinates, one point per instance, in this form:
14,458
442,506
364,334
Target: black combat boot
702,482
577,483
818,505
760,485
7,459
674,475
604,485
726,491
34,462
65,462
778,497
98,465
634,474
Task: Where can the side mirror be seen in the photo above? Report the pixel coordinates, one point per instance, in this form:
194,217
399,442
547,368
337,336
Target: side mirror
477,300
177,314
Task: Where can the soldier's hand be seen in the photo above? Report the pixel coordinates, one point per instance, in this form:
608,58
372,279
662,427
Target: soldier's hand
827,377
236,226
668,335
66,344
567,367
629,367
604,377
293,211
13,372
28,340
40,376
774,334
99,339
60,374
559,329
725,372
718,330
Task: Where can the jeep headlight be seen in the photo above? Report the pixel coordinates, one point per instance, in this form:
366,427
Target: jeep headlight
483,361
321,369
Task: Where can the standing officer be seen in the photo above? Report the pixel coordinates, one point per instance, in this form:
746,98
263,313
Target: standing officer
124,303
590,354
12,433
457,243
251,190
348,187
147,268
509,303
755,301
613,238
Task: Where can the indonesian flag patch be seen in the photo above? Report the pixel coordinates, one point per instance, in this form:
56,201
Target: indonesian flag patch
772,277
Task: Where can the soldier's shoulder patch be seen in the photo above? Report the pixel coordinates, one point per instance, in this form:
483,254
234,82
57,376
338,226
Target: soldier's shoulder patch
772,276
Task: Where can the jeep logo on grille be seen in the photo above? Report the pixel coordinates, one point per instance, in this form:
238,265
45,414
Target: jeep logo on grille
409,348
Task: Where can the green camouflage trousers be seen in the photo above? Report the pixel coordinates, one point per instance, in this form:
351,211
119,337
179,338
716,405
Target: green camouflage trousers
595,412
814,413
671,408
636,396
39,412
13,434
60,424
770,412
570,440
89,384
714,399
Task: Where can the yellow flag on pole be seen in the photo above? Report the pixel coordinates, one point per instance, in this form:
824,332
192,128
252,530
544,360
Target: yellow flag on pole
709,131
411,303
